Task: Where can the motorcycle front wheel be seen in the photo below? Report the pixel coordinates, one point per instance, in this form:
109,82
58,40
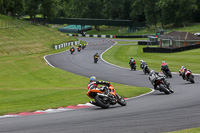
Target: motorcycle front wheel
102,103
191,79
164,89
120,100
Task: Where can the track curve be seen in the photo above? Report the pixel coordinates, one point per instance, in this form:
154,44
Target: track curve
153,113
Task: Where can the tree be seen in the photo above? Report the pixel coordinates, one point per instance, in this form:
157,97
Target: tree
4,6
32,8
137,10
176,12
114,8
151,13
49,8
185,10
16,7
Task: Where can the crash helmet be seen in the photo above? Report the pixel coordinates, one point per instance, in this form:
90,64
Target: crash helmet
93,78
151,72
131,57
182,67
163,61
141,60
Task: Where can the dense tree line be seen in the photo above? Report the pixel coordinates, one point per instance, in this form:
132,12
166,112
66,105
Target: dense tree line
165,12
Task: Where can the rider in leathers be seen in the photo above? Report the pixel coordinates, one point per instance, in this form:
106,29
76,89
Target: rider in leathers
93,84
154,76
182,72
142,64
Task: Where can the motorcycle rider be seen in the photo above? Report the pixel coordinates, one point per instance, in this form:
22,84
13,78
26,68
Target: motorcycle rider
72,48
93,84
131,62
142,64
79,45
182,72
153,76
96,56
163,66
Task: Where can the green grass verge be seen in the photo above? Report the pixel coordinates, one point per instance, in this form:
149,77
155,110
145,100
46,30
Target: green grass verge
192,130
120,55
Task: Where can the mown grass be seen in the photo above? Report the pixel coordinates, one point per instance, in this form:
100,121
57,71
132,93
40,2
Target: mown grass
120,55
192,130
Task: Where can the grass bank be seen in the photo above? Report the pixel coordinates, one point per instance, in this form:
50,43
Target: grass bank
120,55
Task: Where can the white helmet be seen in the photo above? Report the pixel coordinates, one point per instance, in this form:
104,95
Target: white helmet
151,72
163,61
141,60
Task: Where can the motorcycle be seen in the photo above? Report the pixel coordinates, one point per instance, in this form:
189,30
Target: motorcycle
167,71
72,50
105,100
96,59
146,69
160,83
79,49
133,66
189,76
83,46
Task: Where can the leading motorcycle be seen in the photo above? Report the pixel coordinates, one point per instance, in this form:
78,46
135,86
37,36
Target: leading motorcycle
96,58
104,100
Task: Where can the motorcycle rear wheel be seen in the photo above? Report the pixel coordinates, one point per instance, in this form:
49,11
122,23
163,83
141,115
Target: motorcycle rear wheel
120,100
103,104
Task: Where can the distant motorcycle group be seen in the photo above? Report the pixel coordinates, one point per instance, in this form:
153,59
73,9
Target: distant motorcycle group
72,49
158,80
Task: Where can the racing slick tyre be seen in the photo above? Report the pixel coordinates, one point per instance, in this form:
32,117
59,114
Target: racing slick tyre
191,79
164,89
102,103
120,100
169,74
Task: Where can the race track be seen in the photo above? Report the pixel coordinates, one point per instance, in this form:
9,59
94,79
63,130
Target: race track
152,113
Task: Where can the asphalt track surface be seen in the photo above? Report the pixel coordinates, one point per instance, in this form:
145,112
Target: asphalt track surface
153,113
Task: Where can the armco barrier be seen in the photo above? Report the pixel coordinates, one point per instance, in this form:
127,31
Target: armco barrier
110,36
170,50
133,36
87,35
65,44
